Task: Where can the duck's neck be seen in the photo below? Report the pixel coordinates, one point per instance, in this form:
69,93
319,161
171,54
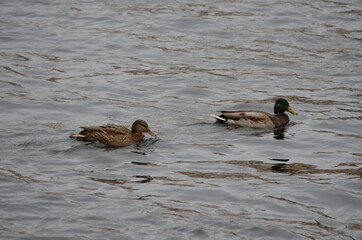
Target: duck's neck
277,112
137,137
283,119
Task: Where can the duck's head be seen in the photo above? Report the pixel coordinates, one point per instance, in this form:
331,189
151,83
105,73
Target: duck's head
141,126
281,106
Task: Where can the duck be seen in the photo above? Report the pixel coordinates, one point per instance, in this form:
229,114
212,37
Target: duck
258,119
114,135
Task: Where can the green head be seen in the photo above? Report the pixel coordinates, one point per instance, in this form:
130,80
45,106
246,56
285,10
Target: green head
281,106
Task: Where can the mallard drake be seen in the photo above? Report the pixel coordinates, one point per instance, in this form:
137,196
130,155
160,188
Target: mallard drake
258,119
115,135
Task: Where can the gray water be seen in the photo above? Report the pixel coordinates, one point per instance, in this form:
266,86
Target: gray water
65,64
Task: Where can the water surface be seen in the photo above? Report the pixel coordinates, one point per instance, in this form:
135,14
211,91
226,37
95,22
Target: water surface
65,64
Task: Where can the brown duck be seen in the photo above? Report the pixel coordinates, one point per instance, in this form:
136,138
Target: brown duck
258,119
115,135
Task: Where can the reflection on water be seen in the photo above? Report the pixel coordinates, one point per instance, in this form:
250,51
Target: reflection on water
279,133
70,64
293,169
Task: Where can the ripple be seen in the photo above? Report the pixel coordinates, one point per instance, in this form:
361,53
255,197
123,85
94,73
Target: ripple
173,64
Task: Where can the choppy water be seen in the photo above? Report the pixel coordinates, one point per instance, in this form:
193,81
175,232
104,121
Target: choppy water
65,64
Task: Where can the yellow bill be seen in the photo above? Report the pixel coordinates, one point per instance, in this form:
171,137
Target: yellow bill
291,111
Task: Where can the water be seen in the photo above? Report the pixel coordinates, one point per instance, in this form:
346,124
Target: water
65,64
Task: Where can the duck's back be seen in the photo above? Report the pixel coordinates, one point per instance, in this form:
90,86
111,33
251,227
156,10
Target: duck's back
115,135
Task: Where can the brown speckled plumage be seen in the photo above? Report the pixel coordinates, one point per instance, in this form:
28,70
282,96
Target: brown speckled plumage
114,135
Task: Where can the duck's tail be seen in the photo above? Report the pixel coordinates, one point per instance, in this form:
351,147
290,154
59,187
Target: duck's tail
76,135
219,118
